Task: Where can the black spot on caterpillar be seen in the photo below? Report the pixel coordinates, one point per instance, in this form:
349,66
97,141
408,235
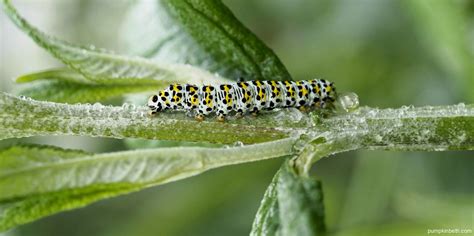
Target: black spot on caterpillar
243,97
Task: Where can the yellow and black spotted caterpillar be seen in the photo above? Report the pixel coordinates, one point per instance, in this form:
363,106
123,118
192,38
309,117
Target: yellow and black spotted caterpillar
243,97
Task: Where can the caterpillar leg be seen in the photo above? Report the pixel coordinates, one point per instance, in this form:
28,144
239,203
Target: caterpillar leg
221,113
199,117
254,111
303,108
221,117
317,104
151,113
239,114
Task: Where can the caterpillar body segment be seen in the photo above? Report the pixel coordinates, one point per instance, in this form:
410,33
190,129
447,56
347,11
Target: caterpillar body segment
243,97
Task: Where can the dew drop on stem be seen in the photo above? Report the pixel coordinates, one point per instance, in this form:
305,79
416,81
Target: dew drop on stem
348,101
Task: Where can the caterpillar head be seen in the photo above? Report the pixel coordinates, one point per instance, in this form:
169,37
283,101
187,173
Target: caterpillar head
155,103
326,91
331,92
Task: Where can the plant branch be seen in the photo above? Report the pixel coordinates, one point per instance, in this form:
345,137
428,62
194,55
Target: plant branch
430,128
407,128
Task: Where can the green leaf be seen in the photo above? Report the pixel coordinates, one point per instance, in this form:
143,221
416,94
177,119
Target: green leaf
201,33
21,211
15,211
36,181
67,86
62,74
267,221
99,66
300,202
292,205
67,92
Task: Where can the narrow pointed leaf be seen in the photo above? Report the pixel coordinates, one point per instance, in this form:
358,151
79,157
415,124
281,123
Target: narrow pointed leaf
67,86
104,67
267,219
201,33
36,181
62,74
66,92
292,205
300,203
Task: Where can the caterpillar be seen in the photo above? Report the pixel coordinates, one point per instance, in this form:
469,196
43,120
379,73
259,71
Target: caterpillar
243,97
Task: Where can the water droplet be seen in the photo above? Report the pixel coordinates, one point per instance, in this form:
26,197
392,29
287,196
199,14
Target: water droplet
301,142
348,101
128,106
97,105
238,144
378,138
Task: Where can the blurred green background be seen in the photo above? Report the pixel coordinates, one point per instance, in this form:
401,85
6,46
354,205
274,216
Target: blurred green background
391,53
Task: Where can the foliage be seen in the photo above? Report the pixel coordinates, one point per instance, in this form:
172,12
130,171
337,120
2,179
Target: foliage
36,181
